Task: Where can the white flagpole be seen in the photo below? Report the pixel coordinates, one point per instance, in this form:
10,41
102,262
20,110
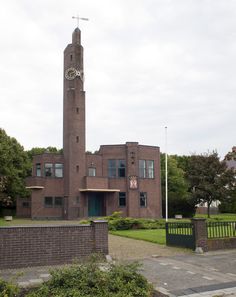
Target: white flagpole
166,174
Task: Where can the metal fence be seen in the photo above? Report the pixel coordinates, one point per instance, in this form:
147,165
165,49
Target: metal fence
221,229
180,234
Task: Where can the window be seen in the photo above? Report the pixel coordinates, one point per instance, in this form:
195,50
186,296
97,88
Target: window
146,168
142,168
92,171
116,168
111,168
38,169
150,169
48,169
48,201
58,170
121,168
122,199
77,110
58,201
143,199
77,139
25,204
77,168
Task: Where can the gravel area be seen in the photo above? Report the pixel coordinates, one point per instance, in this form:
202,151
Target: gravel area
122,248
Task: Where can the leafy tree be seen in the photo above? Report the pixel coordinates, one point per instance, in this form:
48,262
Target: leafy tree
41,150
210,179
178,197
14,167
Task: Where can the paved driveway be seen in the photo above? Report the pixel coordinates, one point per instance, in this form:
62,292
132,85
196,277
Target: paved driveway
179,272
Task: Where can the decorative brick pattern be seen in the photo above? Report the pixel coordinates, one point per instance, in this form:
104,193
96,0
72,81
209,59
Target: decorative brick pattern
51,245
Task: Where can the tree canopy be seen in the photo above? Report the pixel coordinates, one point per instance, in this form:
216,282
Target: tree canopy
15,165
210,179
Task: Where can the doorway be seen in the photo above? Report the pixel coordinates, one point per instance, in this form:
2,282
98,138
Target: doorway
96,204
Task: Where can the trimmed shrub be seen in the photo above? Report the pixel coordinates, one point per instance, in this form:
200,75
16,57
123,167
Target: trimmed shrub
94,280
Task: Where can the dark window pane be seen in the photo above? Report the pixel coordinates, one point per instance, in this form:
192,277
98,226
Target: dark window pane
58,201
111,168
143,199
121,168
122,199
25,204
48,201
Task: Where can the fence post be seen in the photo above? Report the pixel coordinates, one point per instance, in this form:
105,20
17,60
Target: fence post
100,231
200,232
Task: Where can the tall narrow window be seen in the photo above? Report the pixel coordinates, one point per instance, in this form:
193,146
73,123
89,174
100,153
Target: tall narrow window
111,168
58,170
58,201
38,169
77,110
48,167
77,139
142,168
143,199
122,199
92,171
121,168
48,201
150,169
77,168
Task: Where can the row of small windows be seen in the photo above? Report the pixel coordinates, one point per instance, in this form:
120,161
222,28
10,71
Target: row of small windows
117,168
50,170
142,199
53,201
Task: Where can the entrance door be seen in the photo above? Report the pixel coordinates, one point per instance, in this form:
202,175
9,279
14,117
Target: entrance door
95,204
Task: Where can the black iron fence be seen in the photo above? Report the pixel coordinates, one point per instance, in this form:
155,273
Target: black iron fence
180,234
221,229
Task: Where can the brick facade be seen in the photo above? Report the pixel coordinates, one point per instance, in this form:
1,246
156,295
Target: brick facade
51,245
85,187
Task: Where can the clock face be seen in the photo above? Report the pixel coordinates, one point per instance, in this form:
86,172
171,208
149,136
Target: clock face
71,73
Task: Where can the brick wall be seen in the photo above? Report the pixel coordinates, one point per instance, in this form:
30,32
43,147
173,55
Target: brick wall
221,243
25,246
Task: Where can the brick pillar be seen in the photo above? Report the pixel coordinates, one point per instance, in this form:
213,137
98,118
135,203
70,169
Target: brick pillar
200,230
100,229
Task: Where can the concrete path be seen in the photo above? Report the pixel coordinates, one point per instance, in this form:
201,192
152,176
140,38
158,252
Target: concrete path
174,272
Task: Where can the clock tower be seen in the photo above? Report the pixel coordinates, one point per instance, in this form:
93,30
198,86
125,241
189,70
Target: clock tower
74,127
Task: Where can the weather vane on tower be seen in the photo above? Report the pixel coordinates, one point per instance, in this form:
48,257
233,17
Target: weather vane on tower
79,18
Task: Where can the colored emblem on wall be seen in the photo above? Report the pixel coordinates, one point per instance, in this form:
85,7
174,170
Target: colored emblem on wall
133,182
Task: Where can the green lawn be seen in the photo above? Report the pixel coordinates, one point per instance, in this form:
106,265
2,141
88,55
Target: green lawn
153,235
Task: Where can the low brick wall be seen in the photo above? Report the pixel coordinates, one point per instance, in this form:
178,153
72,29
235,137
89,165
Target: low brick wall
221,243
25,246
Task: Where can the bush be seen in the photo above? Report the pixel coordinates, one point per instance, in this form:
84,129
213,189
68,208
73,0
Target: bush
93,280
7,289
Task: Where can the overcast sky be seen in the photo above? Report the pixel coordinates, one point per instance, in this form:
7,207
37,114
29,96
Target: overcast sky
148,64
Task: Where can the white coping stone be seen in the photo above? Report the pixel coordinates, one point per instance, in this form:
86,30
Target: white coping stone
23,284
36,281
45,275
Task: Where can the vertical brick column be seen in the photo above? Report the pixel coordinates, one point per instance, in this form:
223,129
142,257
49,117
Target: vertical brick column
200,229
100,229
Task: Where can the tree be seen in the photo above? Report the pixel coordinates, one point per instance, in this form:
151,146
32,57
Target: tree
178,197
14,167
210,179
41,150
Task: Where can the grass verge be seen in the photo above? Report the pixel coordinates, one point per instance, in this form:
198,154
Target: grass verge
153,235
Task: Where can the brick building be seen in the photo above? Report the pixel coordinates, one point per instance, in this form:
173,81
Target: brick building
76,184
